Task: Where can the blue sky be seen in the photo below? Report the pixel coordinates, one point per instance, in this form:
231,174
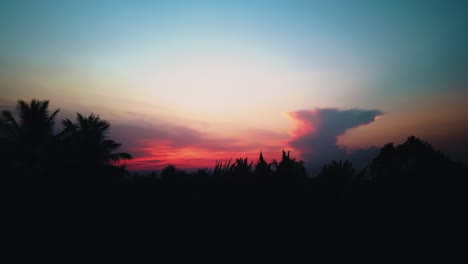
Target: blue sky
226,67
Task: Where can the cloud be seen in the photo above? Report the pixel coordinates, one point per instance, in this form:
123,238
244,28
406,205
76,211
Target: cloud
317,132
154,145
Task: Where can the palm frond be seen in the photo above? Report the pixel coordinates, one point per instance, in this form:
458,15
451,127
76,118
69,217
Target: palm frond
116,157
8,126
223,168
110,145
90,135
68,124
51,120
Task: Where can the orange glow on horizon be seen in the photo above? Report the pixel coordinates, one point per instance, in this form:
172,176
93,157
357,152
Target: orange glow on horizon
159,154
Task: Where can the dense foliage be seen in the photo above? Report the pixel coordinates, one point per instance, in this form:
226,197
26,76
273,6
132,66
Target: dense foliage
64,198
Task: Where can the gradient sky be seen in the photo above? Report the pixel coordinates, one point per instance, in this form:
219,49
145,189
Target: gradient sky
189,82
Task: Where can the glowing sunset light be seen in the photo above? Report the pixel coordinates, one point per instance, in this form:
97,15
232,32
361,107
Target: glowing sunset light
159,153
200,130
182,84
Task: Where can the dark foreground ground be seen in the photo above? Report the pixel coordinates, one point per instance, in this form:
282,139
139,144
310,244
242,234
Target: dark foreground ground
203,218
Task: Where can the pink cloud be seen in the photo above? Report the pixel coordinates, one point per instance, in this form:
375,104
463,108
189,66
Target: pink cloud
155,147
317,131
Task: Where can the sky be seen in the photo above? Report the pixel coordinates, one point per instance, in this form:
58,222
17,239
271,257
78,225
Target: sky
191,82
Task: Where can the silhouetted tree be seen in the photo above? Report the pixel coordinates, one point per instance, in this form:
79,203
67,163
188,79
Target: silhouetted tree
242,167
29,140
414,160
413,204
223,168
289,169
262,168
419,155
89,143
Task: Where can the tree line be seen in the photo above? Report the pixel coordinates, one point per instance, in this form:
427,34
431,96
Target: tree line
29,144
65,196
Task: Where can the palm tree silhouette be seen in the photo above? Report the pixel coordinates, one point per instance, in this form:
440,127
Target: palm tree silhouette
31,136
223,168
289,168
262,168
242,167
89,141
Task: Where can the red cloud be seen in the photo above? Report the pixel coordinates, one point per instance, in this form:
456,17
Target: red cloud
184,147
315,139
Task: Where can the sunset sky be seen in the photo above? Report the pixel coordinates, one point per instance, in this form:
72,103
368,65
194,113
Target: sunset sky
191,82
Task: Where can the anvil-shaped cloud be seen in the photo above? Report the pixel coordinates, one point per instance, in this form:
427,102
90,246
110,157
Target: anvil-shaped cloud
317,132
314,140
